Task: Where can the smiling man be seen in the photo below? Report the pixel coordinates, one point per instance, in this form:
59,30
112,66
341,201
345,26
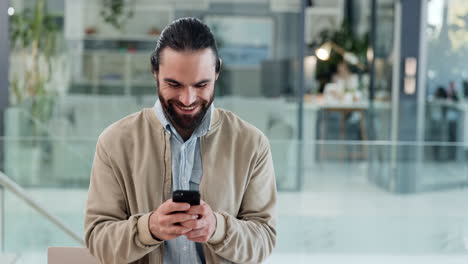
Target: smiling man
182,143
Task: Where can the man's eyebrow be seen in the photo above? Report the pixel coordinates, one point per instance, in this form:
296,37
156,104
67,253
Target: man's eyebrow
203,81
171,80
176,82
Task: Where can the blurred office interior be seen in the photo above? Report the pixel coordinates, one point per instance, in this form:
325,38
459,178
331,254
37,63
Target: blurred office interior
364,103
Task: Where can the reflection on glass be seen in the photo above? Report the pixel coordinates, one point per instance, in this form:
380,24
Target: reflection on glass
446,78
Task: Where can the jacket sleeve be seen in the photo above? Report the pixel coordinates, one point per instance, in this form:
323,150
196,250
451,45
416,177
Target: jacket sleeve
111,234
250,236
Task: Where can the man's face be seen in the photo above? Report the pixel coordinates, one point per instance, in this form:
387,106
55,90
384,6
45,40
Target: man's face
186,85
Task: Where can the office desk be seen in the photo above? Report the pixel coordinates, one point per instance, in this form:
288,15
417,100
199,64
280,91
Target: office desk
317,105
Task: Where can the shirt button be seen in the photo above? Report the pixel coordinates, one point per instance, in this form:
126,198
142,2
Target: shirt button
185,248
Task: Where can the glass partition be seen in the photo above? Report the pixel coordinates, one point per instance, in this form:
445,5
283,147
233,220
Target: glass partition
99,72
343,215
343,203
446,81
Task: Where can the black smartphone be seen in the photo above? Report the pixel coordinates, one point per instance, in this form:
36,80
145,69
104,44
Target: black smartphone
183,196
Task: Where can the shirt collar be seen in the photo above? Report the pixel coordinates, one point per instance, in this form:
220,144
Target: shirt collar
200,131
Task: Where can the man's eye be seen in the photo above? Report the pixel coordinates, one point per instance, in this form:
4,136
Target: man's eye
201,85
175,85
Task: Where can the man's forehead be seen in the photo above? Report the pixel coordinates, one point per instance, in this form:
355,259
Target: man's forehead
186,67
206,53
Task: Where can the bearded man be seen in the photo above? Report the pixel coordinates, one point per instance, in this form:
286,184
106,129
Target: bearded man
182,143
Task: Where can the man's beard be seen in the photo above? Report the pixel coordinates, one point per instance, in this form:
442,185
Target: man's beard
181,121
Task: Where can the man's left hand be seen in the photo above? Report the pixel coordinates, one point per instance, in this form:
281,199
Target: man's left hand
204,226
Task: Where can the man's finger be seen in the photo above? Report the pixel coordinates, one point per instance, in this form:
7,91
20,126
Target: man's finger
178,230
179,217
195,224
169,207
198,210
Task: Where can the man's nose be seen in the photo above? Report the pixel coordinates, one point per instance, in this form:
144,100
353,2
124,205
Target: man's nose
188,96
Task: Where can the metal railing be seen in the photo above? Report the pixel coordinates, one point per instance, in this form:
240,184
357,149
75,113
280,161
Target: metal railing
16,189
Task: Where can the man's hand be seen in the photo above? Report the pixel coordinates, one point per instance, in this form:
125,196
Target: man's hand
164,223
204,226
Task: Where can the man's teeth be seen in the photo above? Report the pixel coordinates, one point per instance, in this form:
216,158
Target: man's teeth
187,108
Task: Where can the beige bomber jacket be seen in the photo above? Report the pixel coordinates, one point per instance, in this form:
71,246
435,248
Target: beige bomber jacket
131,177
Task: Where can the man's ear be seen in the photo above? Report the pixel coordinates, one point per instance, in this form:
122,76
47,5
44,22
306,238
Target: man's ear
155,76
220,64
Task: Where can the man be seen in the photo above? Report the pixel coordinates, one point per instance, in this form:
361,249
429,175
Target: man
182,143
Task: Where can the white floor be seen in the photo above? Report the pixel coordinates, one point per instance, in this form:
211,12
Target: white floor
357,259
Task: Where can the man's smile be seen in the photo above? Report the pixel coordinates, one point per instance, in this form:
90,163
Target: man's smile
186,110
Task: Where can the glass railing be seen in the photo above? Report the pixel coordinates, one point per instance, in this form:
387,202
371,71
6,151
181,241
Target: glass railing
28,234
368,202
351,198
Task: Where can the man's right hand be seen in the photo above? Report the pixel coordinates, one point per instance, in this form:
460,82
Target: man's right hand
163,222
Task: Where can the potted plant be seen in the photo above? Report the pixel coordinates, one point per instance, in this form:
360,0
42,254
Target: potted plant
346,39
33,35
116,13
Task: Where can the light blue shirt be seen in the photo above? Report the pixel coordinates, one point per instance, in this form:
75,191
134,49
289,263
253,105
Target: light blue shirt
186,175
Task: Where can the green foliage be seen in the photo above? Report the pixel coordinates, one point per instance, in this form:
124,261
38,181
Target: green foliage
115,12
33,39
348,40
32,26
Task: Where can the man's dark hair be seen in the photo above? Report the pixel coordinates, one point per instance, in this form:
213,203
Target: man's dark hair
185,34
